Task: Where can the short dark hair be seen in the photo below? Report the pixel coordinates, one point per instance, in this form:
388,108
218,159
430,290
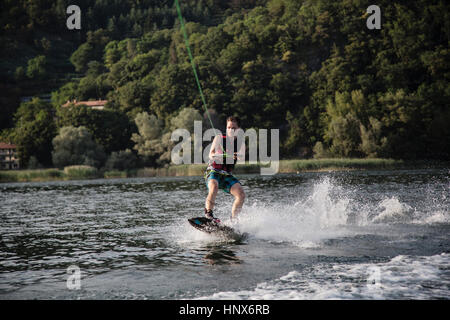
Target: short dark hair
234,119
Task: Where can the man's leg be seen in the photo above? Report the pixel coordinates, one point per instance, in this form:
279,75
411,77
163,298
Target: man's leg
213,186
239,196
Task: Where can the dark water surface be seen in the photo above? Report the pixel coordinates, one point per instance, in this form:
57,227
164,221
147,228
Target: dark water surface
341,235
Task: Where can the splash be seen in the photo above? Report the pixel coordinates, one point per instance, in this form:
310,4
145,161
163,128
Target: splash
304,222
327,209
392,210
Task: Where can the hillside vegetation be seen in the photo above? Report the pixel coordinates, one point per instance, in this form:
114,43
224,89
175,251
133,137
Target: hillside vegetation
312,69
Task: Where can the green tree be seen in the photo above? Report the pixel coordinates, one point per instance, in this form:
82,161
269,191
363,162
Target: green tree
276,63
403,118
121,160
95,68
37,68
112,54
34,131
110,129
148,143
142,64
75,146
82,56
19,74
175,88
185,119
91,50
133,97
153,142
64,94
344,115
373,144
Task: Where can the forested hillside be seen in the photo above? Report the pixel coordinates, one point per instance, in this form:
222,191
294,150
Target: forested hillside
312,69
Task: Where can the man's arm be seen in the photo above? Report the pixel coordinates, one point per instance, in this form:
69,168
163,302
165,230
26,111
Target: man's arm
213,155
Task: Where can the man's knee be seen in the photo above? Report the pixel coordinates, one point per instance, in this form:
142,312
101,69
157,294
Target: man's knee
239,193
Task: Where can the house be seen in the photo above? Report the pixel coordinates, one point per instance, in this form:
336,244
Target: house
8,156
95,104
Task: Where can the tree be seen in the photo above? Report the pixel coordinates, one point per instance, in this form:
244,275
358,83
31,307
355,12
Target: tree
19,74
37,68
373,144
174,89
75,146
91,50
121,160
403,118
185,119
95,69
64,94
276,63
82,56
112,54
87,88
148,143
344,134
142,64
110,129
133,97
344,115
153,142
34,131
296,135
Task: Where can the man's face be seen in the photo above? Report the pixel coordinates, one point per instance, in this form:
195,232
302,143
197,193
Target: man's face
231,128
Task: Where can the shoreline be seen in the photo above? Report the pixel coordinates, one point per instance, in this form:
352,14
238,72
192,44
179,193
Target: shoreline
285,166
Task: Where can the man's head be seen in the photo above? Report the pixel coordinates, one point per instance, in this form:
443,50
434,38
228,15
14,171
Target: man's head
233,123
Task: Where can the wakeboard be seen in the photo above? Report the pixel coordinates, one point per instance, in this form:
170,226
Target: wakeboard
207,225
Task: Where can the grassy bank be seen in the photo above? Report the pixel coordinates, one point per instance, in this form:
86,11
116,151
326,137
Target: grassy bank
31,175
190,170
71,172
285,166
299,165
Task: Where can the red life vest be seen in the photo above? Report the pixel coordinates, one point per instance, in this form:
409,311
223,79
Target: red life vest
224,166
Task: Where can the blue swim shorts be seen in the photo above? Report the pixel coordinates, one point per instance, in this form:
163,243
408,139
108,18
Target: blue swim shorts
225,181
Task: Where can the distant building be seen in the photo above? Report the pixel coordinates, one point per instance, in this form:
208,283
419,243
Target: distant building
96,104
8,156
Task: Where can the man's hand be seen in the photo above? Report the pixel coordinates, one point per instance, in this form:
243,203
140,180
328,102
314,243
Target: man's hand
235,156
224,156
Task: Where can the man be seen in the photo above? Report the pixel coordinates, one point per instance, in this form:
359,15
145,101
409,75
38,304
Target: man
219,175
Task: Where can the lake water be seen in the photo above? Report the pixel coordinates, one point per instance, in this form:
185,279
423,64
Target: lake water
328,235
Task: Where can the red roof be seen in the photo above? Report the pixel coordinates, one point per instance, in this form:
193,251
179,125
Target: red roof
88,103
7,146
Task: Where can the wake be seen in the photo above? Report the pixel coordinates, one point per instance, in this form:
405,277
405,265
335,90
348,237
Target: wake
327,210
